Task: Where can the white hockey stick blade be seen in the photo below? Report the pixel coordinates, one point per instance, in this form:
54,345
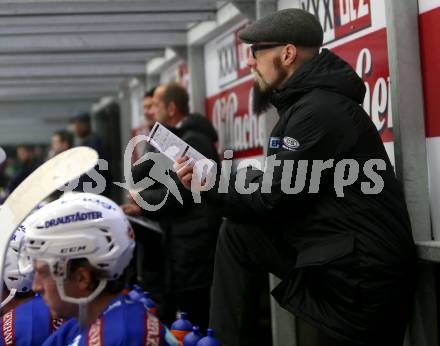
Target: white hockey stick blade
45,180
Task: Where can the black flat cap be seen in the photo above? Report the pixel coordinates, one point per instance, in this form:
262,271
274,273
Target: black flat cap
292,25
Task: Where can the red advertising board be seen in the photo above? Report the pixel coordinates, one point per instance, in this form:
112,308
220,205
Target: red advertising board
369,57
351,16
238,128
429,29
340,18
230,96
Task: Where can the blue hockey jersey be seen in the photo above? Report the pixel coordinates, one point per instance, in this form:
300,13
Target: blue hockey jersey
30,324
123,323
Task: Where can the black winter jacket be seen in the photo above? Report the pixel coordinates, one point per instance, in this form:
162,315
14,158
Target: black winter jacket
355,255
190,230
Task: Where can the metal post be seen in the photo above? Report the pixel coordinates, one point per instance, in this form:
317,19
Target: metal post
408,116
131,105
196,68
410,152
283,322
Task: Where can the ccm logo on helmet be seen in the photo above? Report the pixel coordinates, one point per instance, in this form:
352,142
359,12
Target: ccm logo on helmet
91,215
73,249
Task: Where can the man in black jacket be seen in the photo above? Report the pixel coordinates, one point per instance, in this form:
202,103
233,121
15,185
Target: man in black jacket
342,244
190,230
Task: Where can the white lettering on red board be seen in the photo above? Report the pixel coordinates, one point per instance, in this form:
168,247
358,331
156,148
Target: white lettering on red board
339,18
227,62
232,57
243,53
377,101
236,132
348,12
368,55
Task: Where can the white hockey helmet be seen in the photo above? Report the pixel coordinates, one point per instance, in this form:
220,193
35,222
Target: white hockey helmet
15,281
81,225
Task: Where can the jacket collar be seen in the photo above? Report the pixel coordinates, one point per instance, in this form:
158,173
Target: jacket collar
294,88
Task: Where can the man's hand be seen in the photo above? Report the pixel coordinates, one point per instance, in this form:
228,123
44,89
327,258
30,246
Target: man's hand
130,197
131,209
184,171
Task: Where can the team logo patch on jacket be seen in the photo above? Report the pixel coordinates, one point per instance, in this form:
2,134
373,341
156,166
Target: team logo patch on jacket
290,143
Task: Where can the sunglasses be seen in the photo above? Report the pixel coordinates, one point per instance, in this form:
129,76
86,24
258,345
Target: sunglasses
256,47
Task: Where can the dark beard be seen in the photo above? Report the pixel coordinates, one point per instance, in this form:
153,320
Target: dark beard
261,98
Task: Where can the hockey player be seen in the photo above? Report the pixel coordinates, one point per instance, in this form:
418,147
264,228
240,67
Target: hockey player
80,246
25,319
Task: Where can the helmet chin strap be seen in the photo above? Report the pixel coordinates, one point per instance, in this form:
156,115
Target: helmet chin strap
11,296
82,302
82,316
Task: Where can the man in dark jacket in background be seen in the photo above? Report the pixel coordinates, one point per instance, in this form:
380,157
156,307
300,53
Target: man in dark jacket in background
190,230
343,250
62,140
27,163
84,136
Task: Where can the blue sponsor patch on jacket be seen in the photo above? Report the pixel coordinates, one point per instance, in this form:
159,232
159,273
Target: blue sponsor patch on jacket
274,142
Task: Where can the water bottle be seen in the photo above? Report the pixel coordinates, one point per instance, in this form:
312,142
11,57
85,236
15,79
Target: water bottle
136,293
126,290
192,338
209,340
149,303
181,328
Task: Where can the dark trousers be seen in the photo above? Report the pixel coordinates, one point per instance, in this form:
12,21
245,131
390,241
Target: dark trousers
243,251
